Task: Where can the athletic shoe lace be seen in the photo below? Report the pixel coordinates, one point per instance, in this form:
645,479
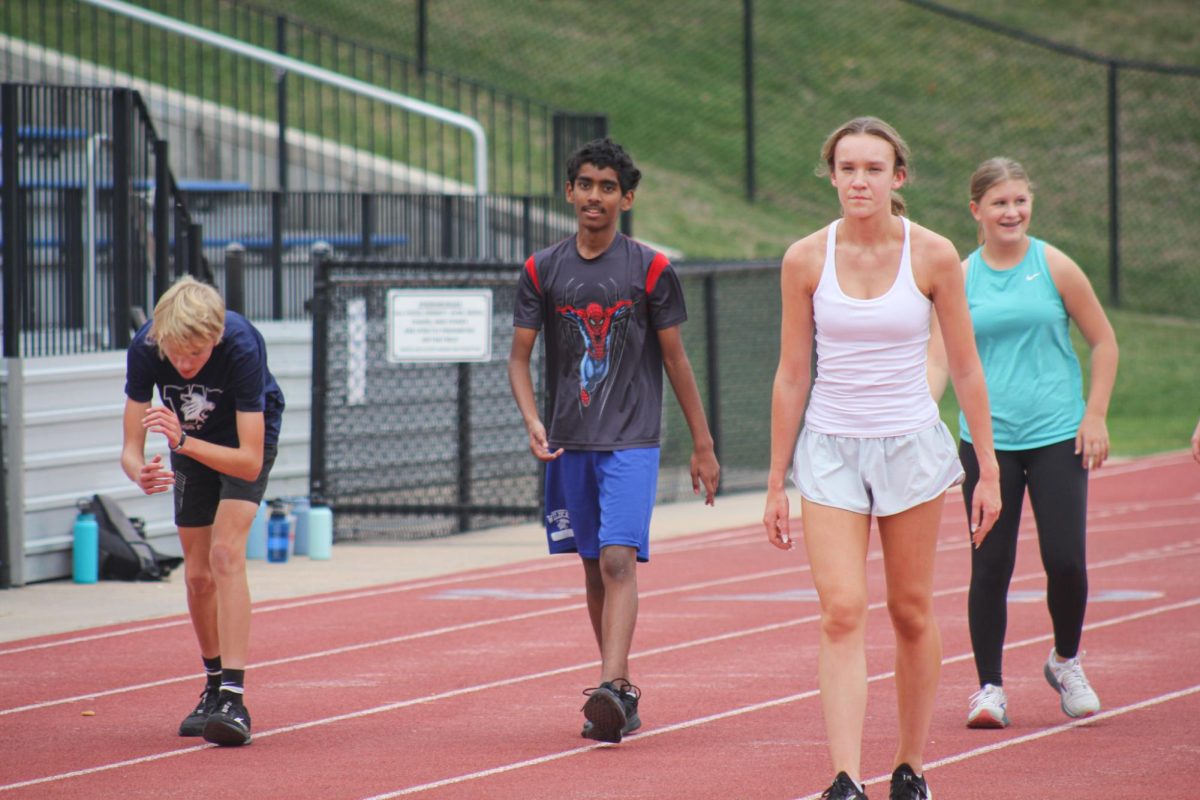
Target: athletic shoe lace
990,695
1071,678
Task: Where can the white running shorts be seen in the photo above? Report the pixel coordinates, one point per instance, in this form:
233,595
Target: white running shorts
879,476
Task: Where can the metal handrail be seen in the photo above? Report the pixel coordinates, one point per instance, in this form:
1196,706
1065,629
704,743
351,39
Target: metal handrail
289,64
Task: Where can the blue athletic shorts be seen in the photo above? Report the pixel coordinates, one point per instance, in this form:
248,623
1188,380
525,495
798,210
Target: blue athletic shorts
597,498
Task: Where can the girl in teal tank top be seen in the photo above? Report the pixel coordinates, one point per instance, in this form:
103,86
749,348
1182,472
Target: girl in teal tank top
1022,331
1023,295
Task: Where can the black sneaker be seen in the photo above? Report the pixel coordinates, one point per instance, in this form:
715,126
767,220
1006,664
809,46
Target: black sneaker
605,710
193,723
843,788
629,695
907,786
229,725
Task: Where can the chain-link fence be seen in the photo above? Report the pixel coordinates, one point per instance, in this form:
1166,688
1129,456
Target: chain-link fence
405,448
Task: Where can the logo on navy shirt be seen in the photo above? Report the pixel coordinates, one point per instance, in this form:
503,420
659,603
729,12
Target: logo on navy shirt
191,403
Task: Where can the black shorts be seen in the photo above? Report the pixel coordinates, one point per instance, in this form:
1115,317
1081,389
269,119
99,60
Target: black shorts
199,488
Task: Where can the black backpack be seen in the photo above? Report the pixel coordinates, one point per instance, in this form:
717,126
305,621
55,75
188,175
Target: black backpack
125,555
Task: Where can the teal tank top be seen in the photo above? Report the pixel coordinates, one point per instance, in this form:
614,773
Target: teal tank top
1022,331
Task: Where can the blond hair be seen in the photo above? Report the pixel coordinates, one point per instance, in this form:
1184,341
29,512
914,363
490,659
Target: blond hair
991,172
871,126
190,311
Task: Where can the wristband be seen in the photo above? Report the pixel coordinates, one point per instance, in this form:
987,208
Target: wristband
179,444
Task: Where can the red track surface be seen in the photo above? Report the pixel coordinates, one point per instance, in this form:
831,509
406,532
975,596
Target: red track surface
468,686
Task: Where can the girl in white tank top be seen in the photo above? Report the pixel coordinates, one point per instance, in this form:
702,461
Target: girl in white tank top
870,355
873,445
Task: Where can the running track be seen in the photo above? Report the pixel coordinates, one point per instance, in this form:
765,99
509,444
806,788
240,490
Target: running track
468,685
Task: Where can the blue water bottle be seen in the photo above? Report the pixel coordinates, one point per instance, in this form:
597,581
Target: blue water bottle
278,531
300,526
256,542
85,550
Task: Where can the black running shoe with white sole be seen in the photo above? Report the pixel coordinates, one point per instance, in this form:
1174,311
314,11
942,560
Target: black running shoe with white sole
629,695
229,725
606,713
843,788
193,723
907,786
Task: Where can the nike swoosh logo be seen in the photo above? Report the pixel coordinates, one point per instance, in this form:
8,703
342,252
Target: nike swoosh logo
1031,277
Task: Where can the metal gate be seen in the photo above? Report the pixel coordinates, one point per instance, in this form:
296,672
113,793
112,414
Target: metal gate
413,436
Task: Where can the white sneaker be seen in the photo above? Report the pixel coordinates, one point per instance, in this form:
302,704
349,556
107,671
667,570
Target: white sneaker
989,708
1067,678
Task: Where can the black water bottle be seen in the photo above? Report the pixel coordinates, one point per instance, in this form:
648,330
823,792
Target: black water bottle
277,533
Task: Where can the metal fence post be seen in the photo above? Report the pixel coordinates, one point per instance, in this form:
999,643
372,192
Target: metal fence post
464,446
235,278
748,89
120,328
712,360
277,210
162,218
1114,215
14,244
368,223
448,226
12,546
281,104
196,265
320,342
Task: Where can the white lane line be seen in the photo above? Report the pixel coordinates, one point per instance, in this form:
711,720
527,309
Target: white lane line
1146,613
728,538
1170,551
659,731
705,542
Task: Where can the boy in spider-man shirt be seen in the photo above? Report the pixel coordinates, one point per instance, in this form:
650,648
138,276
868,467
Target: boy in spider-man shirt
611,309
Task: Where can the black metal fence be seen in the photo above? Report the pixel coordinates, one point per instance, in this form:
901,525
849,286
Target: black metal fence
411,448
249,124
93,227
276,236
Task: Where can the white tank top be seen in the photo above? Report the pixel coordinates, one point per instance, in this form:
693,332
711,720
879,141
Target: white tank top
871,354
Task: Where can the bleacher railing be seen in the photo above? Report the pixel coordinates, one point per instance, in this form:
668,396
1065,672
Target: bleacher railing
279,129
93,226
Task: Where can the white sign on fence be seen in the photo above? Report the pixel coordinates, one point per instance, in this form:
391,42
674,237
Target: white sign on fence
446,325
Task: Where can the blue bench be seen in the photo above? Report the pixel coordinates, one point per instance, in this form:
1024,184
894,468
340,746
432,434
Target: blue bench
76,183
38,133
263,243
211,185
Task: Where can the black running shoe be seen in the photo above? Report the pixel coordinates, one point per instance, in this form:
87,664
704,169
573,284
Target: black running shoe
629,695
907,786
229,725
193,723
843,788
605,711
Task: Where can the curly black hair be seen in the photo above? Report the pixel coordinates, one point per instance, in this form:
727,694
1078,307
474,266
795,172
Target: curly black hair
603,153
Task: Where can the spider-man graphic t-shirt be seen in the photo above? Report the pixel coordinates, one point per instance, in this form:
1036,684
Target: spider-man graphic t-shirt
599,319
235,378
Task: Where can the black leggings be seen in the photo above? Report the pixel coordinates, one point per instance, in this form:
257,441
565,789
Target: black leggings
1057,484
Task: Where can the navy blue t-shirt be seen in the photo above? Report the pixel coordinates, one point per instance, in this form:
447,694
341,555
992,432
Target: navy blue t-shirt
235,378
600,318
